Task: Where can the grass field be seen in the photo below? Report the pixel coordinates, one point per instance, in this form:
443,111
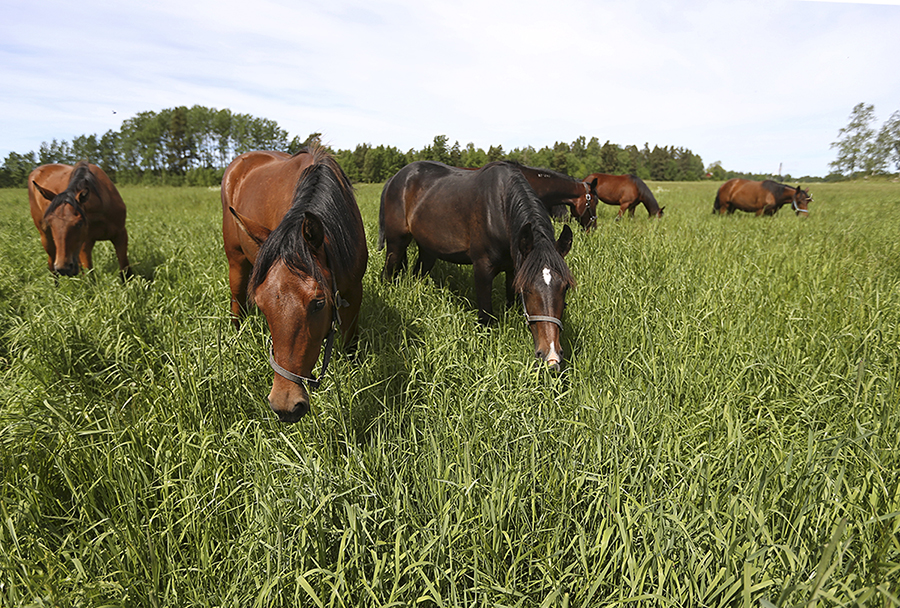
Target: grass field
726,432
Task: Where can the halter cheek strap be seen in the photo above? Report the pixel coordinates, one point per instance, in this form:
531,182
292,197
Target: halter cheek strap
796,207
313,383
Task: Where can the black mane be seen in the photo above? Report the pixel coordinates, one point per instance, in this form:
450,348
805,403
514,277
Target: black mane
323,190
523,207
81,179
775,188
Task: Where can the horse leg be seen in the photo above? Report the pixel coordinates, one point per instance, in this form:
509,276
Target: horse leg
121,246
424,263
395,256
87,255
484,282
238,279
349,321
510,294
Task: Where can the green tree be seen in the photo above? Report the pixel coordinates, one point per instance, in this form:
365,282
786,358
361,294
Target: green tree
853,140
889,140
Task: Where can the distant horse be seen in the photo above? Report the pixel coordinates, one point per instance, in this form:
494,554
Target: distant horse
492,219
294,221
626,191
560,193
73,208
764,198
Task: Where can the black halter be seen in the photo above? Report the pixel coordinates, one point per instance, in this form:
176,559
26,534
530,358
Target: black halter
314,383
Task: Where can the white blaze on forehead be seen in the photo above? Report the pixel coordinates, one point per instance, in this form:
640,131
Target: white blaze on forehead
547,276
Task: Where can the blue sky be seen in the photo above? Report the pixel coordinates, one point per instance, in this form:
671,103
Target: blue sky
751,84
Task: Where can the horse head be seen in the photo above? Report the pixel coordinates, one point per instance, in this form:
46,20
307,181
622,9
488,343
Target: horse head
587,215
294,288
64,228
801,200
542,285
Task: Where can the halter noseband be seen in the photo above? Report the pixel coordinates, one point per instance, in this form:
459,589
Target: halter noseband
796,207
537,318
314,383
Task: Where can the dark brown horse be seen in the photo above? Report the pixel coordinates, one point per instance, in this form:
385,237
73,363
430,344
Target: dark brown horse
492,219
625,191
73,208
763,198
560,193
294,220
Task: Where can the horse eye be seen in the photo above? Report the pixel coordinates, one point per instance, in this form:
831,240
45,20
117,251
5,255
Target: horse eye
318,305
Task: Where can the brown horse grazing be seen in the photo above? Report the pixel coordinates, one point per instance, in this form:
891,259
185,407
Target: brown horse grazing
492,219
764,198
73,208
557,189
294,220
626,191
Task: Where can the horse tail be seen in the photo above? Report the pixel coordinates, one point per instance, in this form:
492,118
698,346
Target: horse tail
717,204
646,196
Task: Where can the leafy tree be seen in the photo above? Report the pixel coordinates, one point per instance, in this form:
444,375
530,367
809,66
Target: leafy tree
853,139
889,140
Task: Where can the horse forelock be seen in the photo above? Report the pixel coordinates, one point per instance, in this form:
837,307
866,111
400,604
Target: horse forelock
82,178
323,190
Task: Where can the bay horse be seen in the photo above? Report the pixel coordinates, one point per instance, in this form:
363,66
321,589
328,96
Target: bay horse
763,198
295,244
73,208
625,191
492,219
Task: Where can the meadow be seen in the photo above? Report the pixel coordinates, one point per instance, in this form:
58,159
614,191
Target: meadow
726,431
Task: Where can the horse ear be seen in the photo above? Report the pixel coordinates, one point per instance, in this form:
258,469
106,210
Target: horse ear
256,231
525,241
313,231
564,243
593,184
47,194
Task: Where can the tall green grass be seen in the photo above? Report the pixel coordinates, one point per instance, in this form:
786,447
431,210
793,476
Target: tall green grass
726,431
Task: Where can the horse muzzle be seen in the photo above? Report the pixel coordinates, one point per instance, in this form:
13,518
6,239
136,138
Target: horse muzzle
69,269
290,414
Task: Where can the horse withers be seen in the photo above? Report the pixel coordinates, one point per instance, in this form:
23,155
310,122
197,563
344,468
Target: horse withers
763,198
73,208
295,245
492,219
626,192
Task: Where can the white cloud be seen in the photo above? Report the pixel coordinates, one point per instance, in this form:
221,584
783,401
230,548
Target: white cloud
748,83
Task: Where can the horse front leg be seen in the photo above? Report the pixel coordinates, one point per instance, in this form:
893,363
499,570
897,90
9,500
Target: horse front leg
121,246
238,279
484,282
86,256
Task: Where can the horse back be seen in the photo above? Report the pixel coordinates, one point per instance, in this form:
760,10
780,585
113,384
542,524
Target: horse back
259,185
447,210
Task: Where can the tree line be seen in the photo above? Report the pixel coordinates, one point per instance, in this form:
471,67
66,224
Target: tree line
193,146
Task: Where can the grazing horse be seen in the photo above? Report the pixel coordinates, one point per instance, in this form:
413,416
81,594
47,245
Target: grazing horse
73,208
560,193
295,243
492,219
763,198
626,191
